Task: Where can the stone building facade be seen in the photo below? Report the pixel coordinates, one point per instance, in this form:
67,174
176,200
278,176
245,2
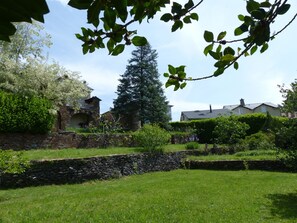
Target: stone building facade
68,116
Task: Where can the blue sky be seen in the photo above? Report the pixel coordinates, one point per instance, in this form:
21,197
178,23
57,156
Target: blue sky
256,80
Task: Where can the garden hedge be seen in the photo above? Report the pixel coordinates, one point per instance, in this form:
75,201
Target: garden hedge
204,127
23,114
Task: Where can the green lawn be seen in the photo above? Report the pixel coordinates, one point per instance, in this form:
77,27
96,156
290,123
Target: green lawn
176,196
39,154
246,155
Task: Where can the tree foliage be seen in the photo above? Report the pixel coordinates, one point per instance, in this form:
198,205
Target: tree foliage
152,138
290,98
12,162
230,130
112,21
286,140
19,11
140,93
25,114
24,70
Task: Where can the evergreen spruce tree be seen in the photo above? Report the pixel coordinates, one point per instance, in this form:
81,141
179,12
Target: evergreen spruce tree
140,94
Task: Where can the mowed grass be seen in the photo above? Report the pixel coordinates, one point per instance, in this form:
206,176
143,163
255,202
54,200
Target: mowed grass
246,155
40,154
176,196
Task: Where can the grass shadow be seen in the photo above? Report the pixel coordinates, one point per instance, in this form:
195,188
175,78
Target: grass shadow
284,205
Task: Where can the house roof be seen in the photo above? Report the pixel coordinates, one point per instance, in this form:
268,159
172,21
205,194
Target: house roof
205,113
250,106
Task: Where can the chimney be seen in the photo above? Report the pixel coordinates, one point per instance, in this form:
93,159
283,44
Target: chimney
210,109
242,102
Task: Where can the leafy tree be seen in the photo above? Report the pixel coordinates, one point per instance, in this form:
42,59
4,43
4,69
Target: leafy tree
140,93
230,130
23,69
286,140
28,41
112,21
290,98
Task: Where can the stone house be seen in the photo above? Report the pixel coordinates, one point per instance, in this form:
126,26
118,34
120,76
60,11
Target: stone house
88,111
228,110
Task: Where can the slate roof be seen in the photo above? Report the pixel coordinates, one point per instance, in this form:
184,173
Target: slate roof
206,113
250,106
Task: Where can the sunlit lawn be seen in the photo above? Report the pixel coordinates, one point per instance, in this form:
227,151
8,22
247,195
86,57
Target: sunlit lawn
38,154
176,196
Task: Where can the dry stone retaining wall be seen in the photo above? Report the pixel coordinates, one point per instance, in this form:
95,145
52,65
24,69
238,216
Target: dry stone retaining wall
96,168
18,141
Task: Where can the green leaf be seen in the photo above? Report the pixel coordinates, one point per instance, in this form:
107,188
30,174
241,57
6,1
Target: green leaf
118,49
177,25
227,58
84,31
218,72
194,16
187,19
171,69
189,4
110,45
219,64
80,4
241,17
252,5
219,49
208,36
229,50
214,55
183,85
176,87
94,11
110,17
166,75
166,17
283,9
121,7
180,68
259,14
254,49
181,74
265,4
236,66
221,36
85,48
240,30
208,48
176,8
264,48
139,41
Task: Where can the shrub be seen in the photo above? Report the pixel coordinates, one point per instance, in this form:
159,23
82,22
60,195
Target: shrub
286,140
12,162
24,114
259,141
229,130
192,145
152,138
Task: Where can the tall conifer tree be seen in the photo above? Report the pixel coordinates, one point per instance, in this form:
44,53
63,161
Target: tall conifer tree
140,94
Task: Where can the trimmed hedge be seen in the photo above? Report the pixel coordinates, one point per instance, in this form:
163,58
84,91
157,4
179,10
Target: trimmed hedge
204,127
22,114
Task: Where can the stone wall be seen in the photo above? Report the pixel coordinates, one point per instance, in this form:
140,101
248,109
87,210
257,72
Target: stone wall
61,140
270,165
80,170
